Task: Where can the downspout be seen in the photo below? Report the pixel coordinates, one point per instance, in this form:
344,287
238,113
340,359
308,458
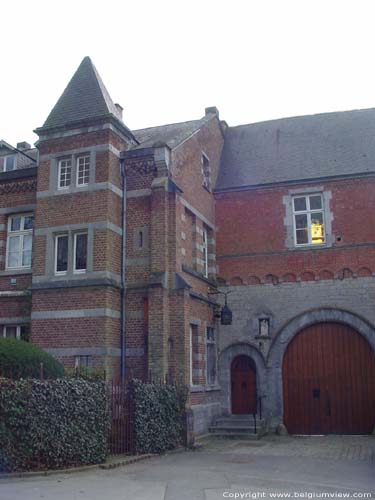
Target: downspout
123,274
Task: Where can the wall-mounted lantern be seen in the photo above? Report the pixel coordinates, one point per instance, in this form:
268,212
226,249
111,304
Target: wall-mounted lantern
225,314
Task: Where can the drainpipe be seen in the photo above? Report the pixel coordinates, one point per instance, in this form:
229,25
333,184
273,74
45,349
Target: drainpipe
123,273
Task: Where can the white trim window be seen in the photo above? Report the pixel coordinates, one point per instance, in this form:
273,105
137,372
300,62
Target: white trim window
61,253
308,220
64,261
205,253
211,356
19,332
80,252
8,163
65,173
83,170
19,241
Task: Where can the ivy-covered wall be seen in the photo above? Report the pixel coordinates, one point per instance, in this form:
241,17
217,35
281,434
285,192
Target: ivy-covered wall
52,423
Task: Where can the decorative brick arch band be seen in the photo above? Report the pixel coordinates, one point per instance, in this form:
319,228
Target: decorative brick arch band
225,362
274,400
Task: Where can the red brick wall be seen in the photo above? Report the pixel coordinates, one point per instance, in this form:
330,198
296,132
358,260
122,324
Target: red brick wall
251,235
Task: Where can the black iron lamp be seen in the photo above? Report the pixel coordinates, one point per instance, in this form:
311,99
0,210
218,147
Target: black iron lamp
226,314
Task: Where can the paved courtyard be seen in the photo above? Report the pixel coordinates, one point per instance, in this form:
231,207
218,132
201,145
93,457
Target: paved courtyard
294,467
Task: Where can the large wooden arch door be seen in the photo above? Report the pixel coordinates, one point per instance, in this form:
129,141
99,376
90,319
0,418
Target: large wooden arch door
244,386
329,381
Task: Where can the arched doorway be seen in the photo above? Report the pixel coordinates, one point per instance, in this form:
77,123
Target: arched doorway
243,385
329,381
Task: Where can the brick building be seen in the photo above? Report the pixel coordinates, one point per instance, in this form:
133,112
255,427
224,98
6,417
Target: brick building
114,244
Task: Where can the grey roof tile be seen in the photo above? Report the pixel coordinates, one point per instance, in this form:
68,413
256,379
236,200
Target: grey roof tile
171,135
299,148
84,97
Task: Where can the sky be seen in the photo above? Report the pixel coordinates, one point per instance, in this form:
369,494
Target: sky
165,61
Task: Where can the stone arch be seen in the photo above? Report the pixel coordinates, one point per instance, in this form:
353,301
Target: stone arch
225,361
307,276
286,334
364,272
345,273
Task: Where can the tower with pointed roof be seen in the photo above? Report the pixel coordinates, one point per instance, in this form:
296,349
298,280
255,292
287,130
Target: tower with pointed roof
76,286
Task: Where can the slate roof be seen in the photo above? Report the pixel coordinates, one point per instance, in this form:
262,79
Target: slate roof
85,97
299,148
171,135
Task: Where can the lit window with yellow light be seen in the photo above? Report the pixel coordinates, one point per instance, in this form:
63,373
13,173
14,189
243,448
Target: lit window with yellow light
308,217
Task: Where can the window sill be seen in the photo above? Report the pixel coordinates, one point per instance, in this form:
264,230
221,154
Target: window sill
11,272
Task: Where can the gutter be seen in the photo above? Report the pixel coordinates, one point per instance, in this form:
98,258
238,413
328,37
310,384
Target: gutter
123,274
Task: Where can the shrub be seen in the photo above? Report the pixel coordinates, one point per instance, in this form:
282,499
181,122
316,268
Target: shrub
19,359
158,412
52,423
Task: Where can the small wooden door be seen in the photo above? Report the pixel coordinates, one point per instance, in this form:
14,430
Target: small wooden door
244,387
329,381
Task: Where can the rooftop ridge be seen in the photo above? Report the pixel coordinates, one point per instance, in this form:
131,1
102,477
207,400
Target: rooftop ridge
296,117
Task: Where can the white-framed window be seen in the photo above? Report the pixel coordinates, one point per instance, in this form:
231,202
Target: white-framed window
65,173
8,163
20,332
83,170
76,262
80,252
308,220
211,354
205,253
61,253
19,241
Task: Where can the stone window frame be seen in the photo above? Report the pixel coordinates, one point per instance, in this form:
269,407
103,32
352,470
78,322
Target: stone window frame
206,172
289,217
193,330
212,342
205,236
74,157
20,233
71,234
141,232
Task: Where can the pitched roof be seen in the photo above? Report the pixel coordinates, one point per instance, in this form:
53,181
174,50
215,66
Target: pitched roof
299,148
25,158
85,97
171,134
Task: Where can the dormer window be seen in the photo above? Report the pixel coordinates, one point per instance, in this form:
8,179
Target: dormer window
8,163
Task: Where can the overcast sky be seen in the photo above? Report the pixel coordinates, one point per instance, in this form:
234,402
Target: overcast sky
165,61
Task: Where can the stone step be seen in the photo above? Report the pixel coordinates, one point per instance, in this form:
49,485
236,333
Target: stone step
235,429
241,422
233,435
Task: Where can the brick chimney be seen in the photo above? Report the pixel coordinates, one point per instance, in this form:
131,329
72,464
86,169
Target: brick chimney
22,146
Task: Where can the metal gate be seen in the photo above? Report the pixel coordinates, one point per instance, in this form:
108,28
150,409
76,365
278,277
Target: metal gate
122,434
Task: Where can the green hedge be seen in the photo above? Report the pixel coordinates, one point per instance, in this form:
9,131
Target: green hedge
158,416
19,359
52,423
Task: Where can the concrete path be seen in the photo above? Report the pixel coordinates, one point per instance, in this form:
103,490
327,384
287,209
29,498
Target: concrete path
296,467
